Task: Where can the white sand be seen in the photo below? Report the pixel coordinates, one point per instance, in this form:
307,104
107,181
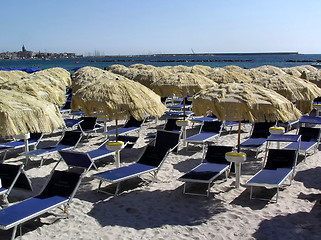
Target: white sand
161,211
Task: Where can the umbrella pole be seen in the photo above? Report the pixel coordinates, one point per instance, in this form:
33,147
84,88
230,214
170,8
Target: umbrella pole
116,130
239,137
184,108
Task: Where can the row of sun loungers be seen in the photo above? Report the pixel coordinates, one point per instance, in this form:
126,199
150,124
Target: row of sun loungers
279,166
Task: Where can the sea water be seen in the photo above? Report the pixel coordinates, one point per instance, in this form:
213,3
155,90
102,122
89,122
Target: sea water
213,60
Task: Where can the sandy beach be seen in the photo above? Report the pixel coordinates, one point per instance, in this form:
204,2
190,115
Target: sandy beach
160,210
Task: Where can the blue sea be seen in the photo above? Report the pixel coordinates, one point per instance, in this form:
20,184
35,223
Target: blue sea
212,60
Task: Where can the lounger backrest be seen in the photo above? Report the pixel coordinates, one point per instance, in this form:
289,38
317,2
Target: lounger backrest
309,134
212,126
132,122
35,136
8,174
152,156
261,129
167,140
171,125
61,184
76,159
88,123
216,154
71,138
280,158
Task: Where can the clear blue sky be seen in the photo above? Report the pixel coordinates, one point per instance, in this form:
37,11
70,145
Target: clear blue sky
123,27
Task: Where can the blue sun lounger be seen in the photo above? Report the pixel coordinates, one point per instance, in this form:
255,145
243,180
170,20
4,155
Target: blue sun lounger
69,140
279,167
86,160
208,131
259,134
34,140
310,138
130,126
213,165
58,191
150,161
12,176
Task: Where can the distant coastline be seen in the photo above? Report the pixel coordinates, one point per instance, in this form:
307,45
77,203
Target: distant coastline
194,54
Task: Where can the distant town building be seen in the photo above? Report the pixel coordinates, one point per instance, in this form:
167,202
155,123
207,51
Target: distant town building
25,54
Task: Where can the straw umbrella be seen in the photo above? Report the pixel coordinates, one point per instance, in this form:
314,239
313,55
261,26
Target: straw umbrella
300,91
271,70
117,99
86,75
243,101
10,75
221,75
181,84
21,113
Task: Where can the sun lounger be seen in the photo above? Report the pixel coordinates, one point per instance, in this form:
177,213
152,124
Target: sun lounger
20,144
178,114
86,160
58,191
259,133
12,176
208,131
180,106
309,120
310,138
213,165
280,166
88,125
69,140
149,162
130,126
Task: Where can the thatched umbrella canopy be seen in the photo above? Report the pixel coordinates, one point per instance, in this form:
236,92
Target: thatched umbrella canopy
177,68
292,71
130,73
297,90
244,101
56,76
21,113
147,77
38,88
271,70
314,77
181,84
10,75
252,73
140,66
87,75
201,70
221,75
49,84
118,98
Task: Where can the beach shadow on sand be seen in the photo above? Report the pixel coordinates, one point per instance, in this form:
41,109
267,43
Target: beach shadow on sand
152,209
302,225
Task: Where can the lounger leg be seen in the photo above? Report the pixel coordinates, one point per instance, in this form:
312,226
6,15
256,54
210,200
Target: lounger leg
99,185
41,161
14,231
277,194
4,155
117,189
208,189
251,192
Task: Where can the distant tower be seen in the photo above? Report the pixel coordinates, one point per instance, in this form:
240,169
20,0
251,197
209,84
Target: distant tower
23,48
